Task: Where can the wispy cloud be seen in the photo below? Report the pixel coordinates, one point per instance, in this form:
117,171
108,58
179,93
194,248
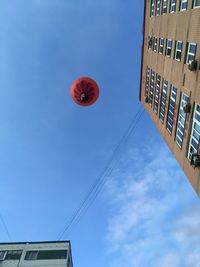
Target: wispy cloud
155,214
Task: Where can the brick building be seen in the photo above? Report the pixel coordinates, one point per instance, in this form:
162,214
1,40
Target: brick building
37,254
170,78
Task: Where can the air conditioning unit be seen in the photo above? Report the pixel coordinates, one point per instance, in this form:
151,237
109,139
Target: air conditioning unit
195,160
146,99
187,108
192,66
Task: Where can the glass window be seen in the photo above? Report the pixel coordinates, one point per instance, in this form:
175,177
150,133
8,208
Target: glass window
46,255
181,120
183,5
153,41
161,46
2,255
31,255
151,93
157,94
157,7
191,52
13,255
164,6
178,50
147,82
172,103
152,7
196,3
163,100
195,133
168,48
156,44
150,42
172,6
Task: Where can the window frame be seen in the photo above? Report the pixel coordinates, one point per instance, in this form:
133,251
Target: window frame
148,71
163,100
164,7
181,120
190,53
152,87
161,46
171,108
178,50
152,8
194,4
181,4
168,47
155,44
172,7
158,2
157,93
193,130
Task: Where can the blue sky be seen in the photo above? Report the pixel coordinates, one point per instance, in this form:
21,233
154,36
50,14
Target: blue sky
52,151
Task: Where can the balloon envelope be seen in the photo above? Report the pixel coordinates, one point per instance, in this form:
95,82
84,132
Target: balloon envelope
84,91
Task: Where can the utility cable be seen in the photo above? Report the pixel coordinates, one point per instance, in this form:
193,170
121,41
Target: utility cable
5,228
97,187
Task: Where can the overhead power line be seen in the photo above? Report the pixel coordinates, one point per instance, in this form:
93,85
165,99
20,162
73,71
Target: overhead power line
5,228
97,187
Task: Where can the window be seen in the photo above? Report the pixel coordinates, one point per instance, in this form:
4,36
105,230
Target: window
172,6
196,3
46,255
152,8
153,42
195,133
163,100
147,81
150,39
164,7
156,45
172,103
178,50
2,255
161,46
157,94
31,255
181,120
157,7
168,48
13,255
151,93
191,52
183,5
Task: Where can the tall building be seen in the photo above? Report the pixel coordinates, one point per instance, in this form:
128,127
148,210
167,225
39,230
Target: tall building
36,254
170,78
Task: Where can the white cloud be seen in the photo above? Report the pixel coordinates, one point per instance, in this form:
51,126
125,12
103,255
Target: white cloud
151,211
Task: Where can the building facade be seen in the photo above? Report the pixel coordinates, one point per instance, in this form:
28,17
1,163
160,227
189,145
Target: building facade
36,254
170,78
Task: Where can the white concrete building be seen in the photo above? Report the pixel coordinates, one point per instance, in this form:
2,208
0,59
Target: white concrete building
36,254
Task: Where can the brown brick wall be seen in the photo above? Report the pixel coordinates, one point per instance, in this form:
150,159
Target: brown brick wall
183,26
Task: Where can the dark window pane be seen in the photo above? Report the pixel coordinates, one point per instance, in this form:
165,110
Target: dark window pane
52,254
13,255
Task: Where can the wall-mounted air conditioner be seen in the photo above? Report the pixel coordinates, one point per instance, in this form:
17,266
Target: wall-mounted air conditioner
192,66
195,160
187,108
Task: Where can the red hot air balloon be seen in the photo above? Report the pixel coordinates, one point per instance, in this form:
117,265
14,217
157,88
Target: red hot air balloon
84,91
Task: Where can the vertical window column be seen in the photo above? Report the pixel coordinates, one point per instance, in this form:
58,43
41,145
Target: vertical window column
172,6
147,82
152,8
157,7
157,94
171,110
178,50
183,5
181,120
164,6
195,133
151,93
163,100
